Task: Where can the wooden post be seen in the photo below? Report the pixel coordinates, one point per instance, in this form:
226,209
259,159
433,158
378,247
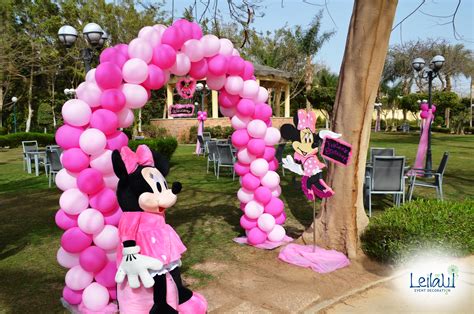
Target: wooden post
277,101
215,108
169,100
287,100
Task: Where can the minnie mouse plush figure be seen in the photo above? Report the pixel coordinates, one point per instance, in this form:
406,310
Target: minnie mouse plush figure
150,247
305,144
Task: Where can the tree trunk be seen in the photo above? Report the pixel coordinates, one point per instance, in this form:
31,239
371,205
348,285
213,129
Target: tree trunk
308,80
53,102
342,217
448,83
446,117
30,98
1,104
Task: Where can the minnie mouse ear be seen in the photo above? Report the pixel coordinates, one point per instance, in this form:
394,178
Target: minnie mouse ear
161,163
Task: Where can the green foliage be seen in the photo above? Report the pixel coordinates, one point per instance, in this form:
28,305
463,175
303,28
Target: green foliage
45,115
153,131
14,139
219,132
445,99
440,129
165,146
400,232
410,102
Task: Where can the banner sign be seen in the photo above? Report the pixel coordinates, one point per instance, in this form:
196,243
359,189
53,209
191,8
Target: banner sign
337,150
181,111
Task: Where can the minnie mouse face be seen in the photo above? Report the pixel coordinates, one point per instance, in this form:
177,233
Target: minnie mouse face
304,141
145,188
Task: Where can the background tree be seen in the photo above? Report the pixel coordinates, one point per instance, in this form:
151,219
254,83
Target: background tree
323,94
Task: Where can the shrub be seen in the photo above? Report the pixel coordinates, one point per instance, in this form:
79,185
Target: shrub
440,129
469,130
14,139
3,130
153,131
165,146
192,134
400,232
219,132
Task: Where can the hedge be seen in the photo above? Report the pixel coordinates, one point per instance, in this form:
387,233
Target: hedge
165,146
14,139
401,232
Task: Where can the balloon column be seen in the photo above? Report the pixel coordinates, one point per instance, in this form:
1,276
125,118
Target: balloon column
122,82
202,116
427,115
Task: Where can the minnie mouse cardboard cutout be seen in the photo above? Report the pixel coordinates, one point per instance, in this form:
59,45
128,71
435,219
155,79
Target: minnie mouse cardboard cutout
150,248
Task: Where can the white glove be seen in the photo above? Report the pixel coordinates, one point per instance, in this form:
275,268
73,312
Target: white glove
291,165
135,265
328,133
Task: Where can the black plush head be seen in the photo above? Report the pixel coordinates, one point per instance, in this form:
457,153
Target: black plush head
304,141
145,189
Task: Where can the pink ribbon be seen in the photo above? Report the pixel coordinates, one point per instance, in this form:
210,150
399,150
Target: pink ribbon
202,115
132,160
306,120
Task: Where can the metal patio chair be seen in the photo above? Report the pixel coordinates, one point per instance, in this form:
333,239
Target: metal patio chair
212,155
225,159
52,158
438,178
202,145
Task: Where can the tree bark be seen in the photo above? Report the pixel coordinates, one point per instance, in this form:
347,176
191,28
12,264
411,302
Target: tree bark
53,101
30,98
446,117
342,217
308,80
1,104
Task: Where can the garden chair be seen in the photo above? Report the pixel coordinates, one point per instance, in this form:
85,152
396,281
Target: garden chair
279,155
438,178
376,151
206,136
225,159
52,157
387,177
202,145
212,155
29,146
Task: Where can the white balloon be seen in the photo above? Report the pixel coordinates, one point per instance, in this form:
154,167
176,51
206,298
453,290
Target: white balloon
244,195
277,234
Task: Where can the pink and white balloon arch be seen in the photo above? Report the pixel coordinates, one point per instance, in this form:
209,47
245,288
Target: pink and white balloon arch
122,82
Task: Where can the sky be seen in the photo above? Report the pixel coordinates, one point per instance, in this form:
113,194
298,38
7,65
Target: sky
417,26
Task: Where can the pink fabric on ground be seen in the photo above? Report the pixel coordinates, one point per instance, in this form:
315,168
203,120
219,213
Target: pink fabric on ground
321,260
267,245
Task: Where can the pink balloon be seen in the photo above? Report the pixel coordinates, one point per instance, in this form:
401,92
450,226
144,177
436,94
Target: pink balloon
215,82
227,100
263,195
277,234
256,147
259,167
92,141
211,45
424,106
247,223
262,95
108,238
72,297
102,163
244,195
172,37
256,236
113,293
240,138
93,259
135,71
95,297
273,165
67,136
113,100
274,207
164,56
75,240
150,35
111,181
250,89
76,112
248,70
196,30
64,220
198,69
228,112
184,27
156,77
236,65
89,93
106,277
114,55
182,65
66,180
239,122
90,76
269,153
77,278
117,141
262,112
217,65
193,49
227,47
253,209
246,107
271,179
66,259
108,75
257,128
280,220
73,201
234,85
104,201
272,136
91,221
266,222
105,121
74,160
250,182
241,169
125,118
244,156
113,218
433,108
123,49
136,95
424,114
276,191
141,49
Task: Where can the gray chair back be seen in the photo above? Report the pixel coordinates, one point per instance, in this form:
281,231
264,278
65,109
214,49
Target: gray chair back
387,173
206,136
52,157
29,146
225,154
212,147
376,151
443,163
279,151
201,140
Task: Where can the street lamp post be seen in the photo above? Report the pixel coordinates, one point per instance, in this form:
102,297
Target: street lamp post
14,100
93,34
428,73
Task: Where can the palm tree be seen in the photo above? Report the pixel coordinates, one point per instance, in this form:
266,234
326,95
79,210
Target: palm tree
309,43
459,61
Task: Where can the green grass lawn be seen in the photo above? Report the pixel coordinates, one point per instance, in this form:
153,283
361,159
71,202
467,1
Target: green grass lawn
206,216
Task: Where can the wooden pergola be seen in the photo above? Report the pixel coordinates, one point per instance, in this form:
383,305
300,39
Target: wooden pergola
277,82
